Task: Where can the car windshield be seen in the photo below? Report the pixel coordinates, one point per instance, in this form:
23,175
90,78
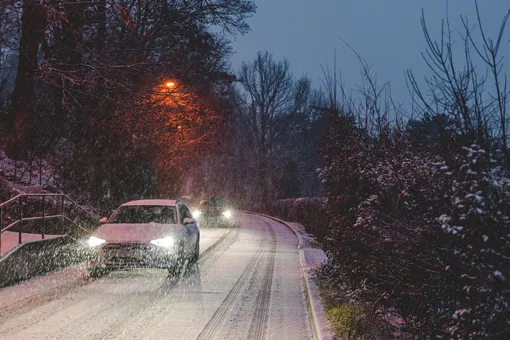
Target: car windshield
214,202
144,214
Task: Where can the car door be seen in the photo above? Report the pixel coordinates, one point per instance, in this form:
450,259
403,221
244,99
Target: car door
192,227
190,230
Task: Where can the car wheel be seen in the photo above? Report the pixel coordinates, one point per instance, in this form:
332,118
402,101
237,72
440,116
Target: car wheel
173,270
179,264
97,271
196,253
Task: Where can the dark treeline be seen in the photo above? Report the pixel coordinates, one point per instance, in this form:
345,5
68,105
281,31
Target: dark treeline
120,96
84,85
270,147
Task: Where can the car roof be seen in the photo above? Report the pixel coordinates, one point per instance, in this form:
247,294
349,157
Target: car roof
170,203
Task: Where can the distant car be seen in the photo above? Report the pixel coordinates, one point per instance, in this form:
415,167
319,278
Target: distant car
146,233
215,212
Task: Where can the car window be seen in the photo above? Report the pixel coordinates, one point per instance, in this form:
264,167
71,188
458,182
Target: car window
180,207
219,202
144,214
187,212
213,202
184,212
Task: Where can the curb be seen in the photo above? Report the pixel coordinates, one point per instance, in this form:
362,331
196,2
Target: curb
318,322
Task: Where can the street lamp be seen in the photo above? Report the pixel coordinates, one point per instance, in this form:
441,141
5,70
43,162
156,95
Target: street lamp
170,84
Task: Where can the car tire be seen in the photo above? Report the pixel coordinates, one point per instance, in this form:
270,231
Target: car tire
173,270
97,271
181,260
196,253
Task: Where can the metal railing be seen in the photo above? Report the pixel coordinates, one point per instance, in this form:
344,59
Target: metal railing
50,207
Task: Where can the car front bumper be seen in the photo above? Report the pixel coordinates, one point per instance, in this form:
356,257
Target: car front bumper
133,255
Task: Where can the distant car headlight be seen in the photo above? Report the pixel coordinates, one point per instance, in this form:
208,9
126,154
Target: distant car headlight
196,213
165,242
227,213
95,241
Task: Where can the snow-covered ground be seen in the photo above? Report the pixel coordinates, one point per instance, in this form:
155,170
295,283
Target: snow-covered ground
314,255
38,174
247,286
10,239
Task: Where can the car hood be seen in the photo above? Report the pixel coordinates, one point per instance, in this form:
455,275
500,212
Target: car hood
136,233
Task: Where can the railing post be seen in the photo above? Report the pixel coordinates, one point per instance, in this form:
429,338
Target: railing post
20,218
30,170
40,169
62,211
43,217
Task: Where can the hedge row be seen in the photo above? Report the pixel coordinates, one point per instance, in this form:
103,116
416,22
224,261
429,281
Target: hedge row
309,211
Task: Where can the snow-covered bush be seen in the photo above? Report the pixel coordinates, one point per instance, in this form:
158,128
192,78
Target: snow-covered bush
476,219
426,237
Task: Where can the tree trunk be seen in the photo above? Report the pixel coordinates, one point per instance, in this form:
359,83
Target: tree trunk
23,94
69,56
101,25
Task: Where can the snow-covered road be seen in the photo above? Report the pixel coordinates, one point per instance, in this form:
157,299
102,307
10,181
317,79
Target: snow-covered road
247,285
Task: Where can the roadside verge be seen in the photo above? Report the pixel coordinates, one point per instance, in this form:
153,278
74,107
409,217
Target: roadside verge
310,258
40,257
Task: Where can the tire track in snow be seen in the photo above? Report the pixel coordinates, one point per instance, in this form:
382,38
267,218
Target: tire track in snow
36,300
49,305
206,262
53,308
258,327
78,327
216,320
223,243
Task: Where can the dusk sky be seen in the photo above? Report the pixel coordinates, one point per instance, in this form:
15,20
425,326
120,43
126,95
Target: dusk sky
387,33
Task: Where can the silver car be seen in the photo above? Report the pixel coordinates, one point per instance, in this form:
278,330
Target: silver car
146,233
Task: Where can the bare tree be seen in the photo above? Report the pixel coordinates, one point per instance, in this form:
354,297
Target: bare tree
489,53
454,91
373,106
270,103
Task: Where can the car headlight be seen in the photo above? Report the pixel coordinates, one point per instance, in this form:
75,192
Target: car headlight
95,241
227,213
165,242
196,213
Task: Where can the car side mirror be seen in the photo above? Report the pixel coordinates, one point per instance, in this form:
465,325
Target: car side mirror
103,220
188,220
